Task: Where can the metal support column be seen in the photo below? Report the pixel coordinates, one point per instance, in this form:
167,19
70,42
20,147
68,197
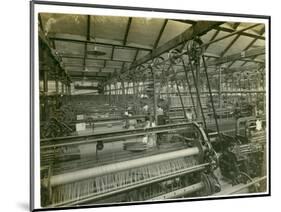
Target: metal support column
57,80
134,90
198,85
109,94
116,92
154,96
62,87
123,91
45,91
179,93
69,89
57,85
219,87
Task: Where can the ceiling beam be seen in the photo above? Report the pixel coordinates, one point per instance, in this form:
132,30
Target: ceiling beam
87,74
74,76
236,25
160,34
212,38
249,46
68,65
86,87
89,58
225,29
237,56
81,40
200,28
242,33
230,45
253,60
127,31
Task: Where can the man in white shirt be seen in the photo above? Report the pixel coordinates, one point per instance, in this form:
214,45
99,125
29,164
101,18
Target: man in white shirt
189,115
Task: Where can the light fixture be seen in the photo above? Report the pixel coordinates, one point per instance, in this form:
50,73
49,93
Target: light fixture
96,52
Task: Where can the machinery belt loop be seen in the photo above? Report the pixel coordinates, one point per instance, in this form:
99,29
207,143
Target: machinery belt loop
188,84
211,96
197,92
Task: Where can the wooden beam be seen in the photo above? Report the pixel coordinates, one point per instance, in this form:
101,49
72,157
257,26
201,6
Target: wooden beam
87,74
236,25
212,38
253,59
160,34
231,34
242,33
73,77
250,45
89,58
245,49
127,31
85,87
230,45
238,56
200,28
66,38
67,65
225,29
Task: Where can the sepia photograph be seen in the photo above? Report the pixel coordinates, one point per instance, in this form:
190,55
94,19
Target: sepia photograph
138,106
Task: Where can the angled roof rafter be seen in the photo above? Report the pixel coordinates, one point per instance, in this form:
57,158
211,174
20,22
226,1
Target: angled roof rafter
160,34
127,31
230,45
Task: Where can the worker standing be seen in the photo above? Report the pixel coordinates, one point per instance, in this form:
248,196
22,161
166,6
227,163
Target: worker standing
189,115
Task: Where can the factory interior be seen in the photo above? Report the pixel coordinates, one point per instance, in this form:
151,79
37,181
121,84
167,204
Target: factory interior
137,109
